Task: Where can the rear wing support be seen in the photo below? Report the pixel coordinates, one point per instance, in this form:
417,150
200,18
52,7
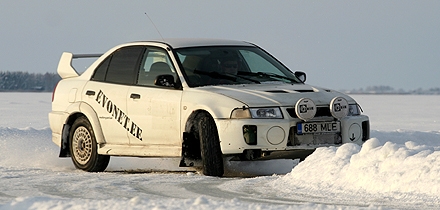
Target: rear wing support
75,56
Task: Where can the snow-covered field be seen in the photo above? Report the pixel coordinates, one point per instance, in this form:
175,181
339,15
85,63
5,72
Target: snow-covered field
398,168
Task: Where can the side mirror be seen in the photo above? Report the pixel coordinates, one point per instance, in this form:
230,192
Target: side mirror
301,76
165,80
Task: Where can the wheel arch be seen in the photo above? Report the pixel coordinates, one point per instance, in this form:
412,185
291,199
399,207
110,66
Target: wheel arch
77,110
217,106
191,118
191,144
202,143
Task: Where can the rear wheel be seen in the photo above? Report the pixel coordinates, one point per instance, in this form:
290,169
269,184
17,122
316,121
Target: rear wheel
212,157
83,147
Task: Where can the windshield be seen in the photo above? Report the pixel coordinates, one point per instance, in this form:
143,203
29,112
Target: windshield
204,66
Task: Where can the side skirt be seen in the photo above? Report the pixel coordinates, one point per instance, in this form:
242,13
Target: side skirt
140,150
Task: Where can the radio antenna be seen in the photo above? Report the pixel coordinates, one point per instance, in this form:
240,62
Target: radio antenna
155,27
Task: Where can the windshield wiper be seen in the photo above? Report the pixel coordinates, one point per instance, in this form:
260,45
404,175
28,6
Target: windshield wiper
248,79
269,75
217,75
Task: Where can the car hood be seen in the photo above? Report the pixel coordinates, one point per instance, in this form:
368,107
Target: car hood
273,94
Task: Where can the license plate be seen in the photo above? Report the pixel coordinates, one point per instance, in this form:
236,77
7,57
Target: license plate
318,127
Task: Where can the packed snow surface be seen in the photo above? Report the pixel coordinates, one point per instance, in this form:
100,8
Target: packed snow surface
398,168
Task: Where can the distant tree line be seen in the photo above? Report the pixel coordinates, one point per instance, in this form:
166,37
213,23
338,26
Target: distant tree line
383,89
28,82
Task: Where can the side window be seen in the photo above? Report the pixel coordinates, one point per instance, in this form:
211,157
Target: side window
124,65
101,70
155,62
121,67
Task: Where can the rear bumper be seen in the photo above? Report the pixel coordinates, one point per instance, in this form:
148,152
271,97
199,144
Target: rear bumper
56,122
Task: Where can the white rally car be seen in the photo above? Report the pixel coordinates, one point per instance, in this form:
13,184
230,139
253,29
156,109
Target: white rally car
201,100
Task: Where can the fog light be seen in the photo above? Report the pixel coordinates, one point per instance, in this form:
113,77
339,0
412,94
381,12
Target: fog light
276,135
250,134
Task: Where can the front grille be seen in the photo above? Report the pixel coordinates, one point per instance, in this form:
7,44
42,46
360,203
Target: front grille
320,112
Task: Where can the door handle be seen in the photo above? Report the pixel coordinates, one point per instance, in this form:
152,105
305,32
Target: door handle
135,96
90,93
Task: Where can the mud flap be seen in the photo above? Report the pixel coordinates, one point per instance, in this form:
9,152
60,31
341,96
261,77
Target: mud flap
64,150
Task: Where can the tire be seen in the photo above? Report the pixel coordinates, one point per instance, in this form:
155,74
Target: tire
83,147
212,157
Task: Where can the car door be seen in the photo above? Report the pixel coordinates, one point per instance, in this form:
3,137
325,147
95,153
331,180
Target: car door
107,93
155,108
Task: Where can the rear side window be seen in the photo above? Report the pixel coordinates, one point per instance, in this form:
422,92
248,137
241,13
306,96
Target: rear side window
121,67
101,71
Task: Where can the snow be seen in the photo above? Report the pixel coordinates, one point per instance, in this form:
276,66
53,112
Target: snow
398,168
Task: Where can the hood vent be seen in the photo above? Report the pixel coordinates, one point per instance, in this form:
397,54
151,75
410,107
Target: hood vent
283,91
305,91
276,91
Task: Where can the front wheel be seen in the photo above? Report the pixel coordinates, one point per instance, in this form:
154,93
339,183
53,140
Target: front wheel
83,147
212,157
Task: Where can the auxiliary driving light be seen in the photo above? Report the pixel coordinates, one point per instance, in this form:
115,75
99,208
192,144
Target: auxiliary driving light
339,107
305,109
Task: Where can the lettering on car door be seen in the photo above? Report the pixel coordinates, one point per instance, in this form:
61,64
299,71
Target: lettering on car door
107,94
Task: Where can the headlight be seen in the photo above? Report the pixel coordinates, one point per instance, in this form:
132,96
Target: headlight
266,113
257,113
353,110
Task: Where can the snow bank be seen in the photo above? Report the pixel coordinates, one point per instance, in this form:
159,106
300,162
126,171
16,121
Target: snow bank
375,168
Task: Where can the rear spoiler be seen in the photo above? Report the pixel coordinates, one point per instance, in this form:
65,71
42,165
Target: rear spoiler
65,68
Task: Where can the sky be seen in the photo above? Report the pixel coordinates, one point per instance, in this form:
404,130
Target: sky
339,44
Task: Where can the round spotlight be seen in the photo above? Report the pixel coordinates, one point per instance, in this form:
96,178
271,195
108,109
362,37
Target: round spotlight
339,107
305,109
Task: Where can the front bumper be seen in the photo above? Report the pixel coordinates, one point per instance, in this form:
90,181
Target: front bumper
269,135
